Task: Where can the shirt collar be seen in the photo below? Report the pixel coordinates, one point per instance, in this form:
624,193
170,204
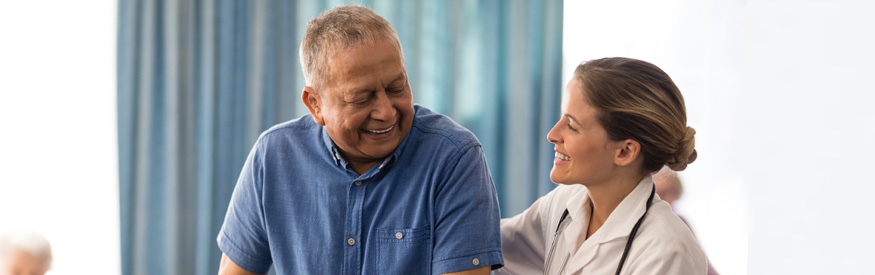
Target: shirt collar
579,205
332,149
338,158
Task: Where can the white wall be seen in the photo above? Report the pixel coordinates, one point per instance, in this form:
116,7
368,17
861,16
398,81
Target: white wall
58,156
782,94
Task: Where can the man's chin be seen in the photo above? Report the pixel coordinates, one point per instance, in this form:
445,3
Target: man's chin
381,152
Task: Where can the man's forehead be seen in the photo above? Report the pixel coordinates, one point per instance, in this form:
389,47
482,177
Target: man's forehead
367,84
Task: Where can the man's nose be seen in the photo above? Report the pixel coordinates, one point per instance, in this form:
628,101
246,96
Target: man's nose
383,109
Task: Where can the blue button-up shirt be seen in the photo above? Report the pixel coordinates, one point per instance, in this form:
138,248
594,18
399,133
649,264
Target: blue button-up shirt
428,208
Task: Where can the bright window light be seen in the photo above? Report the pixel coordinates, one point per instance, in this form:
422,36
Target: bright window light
58,149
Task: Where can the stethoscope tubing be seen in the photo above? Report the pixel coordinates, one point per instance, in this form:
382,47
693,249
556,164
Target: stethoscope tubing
628,242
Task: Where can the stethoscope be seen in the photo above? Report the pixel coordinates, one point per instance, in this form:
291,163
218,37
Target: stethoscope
628,243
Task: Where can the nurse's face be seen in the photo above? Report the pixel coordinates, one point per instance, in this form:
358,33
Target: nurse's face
584,154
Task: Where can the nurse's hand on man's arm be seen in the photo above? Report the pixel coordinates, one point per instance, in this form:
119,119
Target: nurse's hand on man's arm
228,267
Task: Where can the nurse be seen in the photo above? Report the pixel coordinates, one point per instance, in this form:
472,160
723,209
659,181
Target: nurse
622,120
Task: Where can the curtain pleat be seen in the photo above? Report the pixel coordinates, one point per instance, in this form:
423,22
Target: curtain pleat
199,80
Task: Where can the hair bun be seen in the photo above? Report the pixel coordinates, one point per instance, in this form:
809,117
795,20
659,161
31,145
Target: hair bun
686,152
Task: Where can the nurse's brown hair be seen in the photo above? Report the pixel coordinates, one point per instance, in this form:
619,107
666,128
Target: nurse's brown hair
637,100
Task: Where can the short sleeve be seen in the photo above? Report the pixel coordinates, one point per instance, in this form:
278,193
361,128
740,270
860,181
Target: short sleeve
466,216
242,237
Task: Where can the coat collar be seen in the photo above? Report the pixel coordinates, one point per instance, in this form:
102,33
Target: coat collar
618,225
627,213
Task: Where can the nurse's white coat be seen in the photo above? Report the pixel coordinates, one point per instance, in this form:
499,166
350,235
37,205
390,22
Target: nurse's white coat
664,244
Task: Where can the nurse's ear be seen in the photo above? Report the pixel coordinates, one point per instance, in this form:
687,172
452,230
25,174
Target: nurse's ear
627,152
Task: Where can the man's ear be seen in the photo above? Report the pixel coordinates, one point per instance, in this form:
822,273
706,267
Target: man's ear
314,104
627,152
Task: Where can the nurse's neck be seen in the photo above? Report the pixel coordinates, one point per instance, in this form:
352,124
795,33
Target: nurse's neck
605,197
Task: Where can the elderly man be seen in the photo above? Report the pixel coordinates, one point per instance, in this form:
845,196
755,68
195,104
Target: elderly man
367,183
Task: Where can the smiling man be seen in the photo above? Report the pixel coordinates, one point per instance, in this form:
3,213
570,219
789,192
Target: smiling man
367,183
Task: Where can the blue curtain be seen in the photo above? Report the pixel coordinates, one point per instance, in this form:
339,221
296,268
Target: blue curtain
198,80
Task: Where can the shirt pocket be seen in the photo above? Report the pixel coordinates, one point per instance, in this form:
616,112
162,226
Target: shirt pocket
403,251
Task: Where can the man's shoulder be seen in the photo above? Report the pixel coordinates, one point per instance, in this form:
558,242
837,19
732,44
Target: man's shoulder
296,132
440,127
298,127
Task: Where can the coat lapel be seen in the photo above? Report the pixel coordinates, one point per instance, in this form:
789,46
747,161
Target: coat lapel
618,225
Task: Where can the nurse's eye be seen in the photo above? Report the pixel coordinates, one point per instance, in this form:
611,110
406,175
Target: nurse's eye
570,127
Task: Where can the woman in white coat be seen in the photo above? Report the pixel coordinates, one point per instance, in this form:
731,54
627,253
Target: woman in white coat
622,120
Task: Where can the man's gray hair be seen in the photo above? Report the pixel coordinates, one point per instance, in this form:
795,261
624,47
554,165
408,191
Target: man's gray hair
339,29
26,241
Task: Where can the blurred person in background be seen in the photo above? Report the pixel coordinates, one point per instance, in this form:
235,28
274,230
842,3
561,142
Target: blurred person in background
622,120
670,189
24,253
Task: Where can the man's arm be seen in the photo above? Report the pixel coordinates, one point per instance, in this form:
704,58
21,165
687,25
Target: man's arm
228,267
243,236
479,271
467,235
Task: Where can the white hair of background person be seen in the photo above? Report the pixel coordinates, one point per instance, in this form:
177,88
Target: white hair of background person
668,185
25,241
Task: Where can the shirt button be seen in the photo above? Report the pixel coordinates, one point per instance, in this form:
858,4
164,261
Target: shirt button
358,183
351,241
476,261
399,235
